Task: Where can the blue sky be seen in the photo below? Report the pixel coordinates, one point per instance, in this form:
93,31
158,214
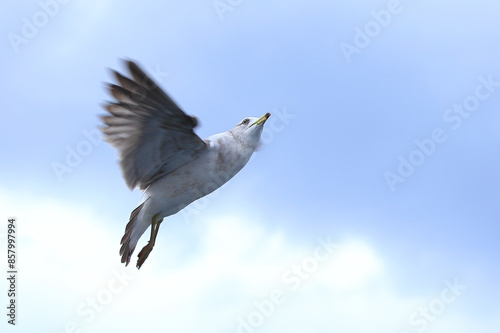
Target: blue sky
417,102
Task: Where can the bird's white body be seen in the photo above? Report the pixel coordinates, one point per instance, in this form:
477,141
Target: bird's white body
221,161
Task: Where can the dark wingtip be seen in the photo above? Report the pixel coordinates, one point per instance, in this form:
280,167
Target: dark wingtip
132,65
127,61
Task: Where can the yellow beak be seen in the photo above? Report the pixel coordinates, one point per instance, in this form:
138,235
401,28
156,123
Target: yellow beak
262,119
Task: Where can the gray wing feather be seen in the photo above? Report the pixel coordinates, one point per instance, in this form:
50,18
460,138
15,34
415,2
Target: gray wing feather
151,133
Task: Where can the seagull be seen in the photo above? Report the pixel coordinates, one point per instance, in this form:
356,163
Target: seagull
161,155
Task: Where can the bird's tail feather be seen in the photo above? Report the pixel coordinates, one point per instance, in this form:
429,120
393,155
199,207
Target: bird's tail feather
128,242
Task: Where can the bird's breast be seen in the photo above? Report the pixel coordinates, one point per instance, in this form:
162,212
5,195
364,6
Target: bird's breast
201,176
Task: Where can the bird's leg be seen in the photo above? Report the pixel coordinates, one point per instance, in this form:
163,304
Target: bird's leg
155,226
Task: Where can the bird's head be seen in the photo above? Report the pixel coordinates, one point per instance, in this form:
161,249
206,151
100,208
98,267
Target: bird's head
249,130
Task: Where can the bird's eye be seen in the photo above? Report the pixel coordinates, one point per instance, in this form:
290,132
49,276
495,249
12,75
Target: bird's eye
244,122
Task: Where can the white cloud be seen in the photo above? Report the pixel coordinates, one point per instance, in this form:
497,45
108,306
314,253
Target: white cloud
354,265
70,275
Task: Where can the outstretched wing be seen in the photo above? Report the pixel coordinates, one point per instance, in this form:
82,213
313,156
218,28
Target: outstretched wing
151,133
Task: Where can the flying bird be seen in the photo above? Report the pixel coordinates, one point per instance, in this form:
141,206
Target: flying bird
161,155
